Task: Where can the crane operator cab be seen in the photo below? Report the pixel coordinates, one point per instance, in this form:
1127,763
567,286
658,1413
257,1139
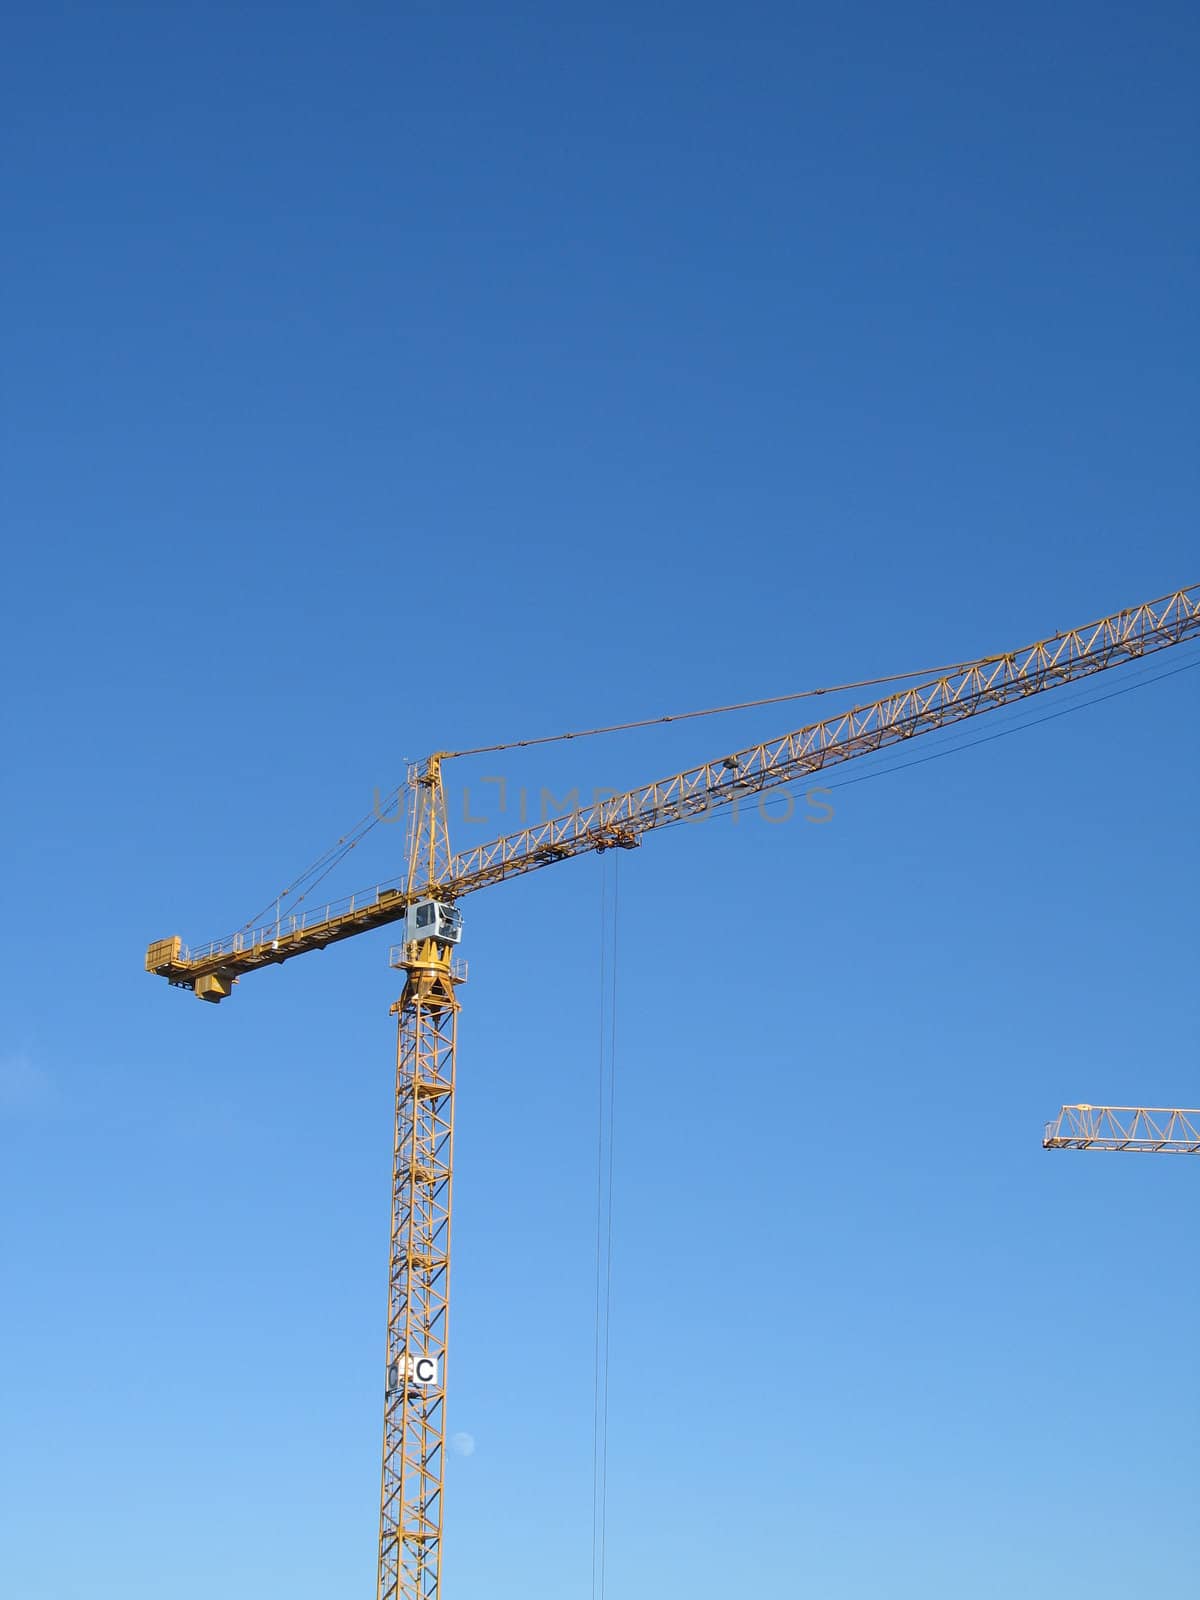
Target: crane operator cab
432,919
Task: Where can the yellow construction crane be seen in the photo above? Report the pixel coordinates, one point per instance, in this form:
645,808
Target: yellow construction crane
423,908
1156,1130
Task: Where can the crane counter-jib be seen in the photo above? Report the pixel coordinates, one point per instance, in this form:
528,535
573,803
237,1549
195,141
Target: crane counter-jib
621,820
276,942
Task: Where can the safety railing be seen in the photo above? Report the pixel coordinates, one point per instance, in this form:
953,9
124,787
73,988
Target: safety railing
400,955
287,926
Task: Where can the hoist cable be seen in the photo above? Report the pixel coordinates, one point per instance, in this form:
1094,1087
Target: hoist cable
608,1270
605,1173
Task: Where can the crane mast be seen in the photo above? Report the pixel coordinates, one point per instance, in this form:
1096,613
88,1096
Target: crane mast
414,1414
424,905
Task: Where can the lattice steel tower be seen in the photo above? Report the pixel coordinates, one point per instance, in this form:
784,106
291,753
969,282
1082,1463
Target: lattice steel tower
414,1418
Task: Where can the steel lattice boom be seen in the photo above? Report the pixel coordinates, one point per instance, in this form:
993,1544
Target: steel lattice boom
1157,1130
622,820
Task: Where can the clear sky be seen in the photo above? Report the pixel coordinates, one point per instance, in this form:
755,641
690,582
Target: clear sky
380,378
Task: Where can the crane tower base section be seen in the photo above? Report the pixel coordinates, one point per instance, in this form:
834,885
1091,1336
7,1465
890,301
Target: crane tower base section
414,1418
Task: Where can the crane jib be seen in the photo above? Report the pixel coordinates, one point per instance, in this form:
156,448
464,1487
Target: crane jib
621,821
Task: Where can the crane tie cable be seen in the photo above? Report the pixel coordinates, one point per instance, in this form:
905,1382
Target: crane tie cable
717,711
332,858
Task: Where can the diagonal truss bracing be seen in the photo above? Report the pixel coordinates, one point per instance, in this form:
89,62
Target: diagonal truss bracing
414,1421
1157,1130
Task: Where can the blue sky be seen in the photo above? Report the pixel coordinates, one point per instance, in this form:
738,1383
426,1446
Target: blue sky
380,379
